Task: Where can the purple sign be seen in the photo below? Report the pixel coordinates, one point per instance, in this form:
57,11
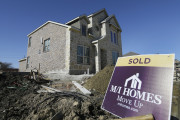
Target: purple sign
138,89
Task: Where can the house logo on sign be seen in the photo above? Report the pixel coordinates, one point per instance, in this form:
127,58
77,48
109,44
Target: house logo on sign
135,81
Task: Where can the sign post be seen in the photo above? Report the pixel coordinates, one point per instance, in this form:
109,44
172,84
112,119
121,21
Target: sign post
141,85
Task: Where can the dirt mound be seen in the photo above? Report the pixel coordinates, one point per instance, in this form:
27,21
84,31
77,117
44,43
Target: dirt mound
20,101
100,81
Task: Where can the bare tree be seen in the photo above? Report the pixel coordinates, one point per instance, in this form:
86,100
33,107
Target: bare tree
5,65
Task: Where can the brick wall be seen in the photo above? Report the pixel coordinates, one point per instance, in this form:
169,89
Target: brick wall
22,65
78,39
54,60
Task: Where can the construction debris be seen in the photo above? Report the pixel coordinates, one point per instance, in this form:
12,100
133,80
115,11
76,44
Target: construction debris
51,90
24,98
34,102
81,88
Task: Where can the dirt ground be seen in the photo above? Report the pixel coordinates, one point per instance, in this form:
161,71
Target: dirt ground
20,101
100,81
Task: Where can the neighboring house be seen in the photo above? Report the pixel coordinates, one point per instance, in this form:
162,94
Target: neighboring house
176,70
130,54
86,43
177,64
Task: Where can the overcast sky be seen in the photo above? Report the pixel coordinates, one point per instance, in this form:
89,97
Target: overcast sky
148,26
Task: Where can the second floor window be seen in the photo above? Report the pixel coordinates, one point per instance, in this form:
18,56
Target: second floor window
47,45
114,37
83,30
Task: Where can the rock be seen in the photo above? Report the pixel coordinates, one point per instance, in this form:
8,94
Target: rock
102,117
76,118
75,104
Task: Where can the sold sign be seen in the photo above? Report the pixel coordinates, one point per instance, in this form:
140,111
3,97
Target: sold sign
141,85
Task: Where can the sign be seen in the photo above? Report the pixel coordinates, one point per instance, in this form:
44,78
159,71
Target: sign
141,85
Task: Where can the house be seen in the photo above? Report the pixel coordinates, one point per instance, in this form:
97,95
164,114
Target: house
176,70
84,44
130,54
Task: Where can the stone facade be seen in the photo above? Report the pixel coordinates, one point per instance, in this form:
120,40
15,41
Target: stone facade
65,40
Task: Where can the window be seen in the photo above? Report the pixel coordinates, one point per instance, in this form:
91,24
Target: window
86,55
83,55
29,42
27,64
115,56
47,45
114,37
80,55
84,30
117,38
111,36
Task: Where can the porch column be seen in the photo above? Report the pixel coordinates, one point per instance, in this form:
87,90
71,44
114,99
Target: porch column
97,58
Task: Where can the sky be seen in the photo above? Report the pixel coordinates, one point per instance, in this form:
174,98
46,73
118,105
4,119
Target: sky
148,26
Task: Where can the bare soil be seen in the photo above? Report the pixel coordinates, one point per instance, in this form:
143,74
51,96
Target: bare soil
99,82
20,101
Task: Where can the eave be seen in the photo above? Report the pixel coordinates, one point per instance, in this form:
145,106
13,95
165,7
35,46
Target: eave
22,59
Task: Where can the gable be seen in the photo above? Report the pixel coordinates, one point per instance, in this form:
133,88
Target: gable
114,22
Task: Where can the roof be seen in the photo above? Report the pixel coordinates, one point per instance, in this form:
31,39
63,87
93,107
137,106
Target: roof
86,17
102,10
177,61
63,25
108,18
77,18
130,54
